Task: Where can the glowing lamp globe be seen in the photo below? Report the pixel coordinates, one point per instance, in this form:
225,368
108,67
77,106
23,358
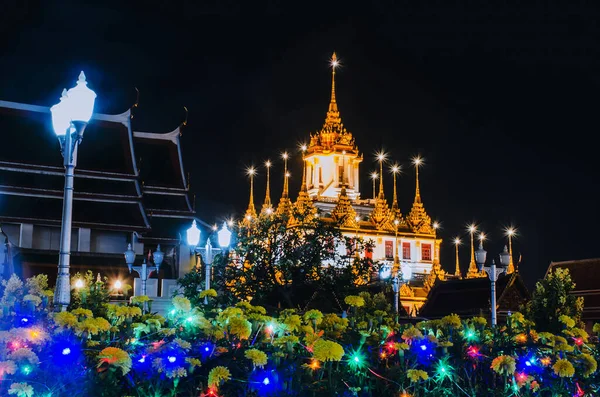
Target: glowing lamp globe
504,257
480,255
61,120
80,101
193,235
224,236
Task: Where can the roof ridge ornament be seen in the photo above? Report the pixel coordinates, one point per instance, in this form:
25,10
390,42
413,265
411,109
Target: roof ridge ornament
137,101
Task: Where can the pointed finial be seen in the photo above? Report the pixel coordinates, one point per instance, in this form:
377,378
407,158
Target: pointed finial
64,94
268,190
82,78
251,211
303,148
395,169
417,162
285,157
381,156
334,64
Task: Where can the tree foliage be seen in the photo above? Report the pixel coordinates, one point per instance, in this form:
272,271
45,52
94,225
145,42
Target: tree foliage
274,263
551,299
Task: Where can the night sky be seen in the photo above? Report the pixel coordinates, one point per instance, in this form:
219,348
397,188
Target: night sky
501,102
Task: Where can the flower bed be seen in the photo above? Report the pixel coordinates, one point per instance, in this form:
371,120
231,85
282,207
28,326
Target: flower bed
107,350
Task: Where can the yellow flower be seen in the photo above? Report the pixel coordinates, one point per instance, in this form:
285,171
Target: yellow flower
313,315
240,327
411,333
194,362
325,350
596,328
21,390
504,365
182,344
81,312
567,321
7,367
354,300
400,346
521,338
452,321
292,323
32,298
211,293
217,376
563,368
24,354
182,304
482,322
115,357
259,358
65,320
140,299
588,363
416,374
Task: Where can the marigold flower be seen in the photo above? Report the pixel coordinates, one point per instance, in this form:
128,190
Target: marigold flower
65,320
563,368
259,358
240,327
182,304
115,357
416,374
217,376
354,300
452,321
589,364
325,350
211,293
567,321
7,367
504,365
21,390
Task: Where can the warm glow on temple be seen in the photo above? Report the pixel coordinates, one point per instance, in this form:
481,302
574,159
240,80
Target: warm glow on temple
330,188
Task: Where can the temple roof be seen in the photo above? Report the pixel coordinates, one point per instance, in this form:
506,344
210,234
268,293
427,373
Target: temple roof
157,150
471,297
107,179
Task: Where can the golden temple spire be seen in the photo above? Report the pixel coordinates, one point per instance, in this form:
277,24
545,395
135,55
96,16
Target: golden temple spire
343,212
381,156
418,218
251,211
285,205
333,113
473,272
395,171
417,161
457,272
286,175
510,233
303,148
267,206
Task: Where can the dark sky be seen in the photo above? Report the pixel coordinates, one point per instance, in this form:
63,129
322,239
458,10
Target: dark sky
501,102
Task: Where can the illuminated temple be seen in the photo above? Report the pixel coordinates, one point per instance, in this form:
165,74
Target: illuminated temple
402,242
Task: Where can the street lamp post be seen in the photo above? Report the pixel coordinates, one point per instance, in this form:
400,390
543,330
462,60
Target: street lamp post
193,238
69,119
144,270
493,272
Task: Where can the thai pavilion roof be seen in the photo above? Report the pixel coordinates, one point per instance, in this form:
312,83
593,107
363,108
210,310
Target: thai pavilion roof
113,190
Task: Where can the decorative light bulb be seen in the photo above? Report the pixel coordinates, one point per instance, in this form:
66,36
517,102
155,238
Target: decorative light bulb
456,241
79,283
172,359
118,284
66,351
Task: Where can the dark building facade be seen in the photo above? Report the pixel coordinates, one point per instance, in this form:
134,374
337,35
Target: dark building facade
130,187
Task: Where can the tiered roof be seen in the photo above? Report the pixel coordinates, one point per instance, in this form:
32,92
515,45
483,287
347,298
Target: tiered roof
112,190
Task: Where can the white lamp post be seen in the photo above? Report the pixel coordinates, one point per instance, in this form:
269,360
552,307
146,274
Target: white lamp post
144,271
193,238
493,272
69,119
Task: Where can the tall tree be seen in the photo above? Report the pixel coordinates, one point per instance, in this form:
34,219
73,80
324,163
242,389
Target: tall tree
278,262
552,299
